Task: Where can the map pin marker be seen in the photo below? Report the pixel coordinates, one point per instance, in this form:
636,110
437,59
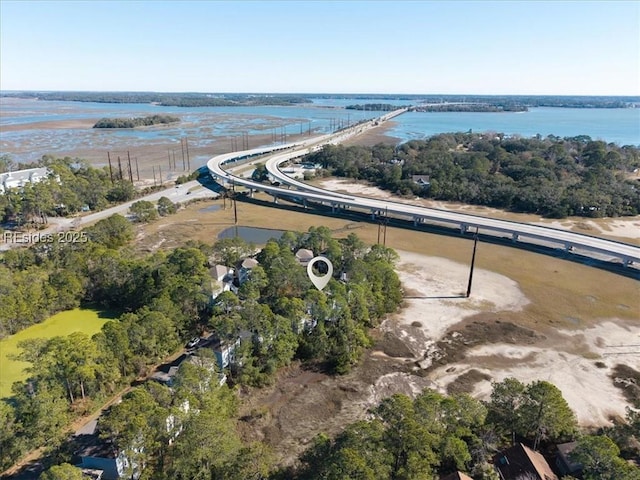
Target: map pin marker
320,282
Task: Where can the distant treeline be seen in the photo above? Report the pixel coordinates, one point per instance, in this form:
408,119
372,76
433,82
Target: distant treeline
135,122
552,176
470,107
442,107
506,101
247,99
376,107
165,99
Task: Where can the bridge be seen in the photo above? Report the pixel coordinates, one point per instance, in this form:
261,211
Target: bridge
300,192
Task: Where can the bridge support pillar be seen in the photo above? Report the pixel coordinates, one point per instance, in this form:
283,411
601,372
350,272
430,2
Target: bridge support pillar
568,247
416,221
275,199
373,214
304,202
333,207
515,237
627,262
463,228
251,193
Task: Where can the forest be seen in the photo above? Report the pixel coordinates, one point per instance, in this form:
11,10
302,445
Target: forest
73,186
434,435
551,176
135,122
375,107
164,99
164,299
471,107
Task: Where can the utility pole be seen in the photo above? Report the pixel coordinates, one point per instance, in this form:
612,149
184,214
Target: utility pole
154,174
137,169
169,155
235,208
473,261
130,172
160,174
110,169
186,146
386,220
182,146
120,168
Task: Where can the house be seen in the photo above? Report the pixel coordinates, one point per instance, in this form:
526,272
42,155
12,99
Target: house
99,456
225,352
304,256
244,271
174,423
565,464
166,372
520,462
422,180
222,279
456,476
20,178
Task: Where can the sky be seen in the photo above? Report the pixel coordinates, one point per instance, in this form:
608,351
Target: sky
416,47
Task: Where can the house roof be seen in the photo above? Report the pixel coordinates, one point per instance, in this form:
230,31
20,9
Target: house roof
519,460
457,476
94,446
304,254
420,178
20,177
564,449
219,271
249,263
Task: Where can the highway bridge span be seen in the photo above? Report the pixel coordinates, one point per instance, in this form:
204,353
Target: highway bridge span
273,156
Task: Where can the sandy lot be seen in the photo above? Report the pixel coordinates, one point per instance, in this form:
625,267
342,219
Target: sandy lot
566,359
588,389
435,289
303,403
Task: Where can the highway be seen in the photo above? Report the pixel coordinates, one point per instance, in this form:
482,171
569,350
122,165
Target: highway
274,156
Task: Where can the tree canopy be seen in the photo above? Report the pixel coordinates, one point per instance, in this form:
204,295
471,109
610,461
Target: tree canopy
552,176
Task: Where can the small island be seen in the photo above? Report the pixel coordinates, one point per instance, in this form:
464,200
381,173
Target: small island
470,107
376,107
135,122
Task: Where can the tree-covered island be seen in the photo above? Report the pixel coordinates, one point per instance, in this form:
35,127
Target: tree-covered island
136,121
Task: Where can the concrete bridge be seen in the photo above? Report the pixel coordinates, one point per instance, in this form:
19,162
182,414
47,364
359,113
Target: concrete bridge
274,156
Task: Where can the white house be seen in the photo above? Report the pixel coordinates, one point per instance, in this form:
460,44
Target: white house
20,178
221,279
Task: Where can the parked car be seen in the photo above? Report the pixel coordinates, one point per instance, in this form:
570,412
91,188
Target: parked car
193,342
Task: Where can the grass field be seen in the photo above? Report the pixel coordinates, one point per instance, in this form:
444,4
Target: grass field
64,323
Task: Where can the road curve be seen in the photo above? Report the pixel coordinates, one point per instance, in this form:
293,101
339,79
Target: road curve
274,156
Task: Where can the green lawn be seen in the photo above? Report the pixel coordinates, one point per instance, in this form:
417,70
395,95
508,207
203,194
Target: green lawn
64,323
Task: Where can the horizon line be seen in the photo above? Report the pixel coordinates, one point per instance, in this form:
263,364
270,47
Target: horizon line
307,93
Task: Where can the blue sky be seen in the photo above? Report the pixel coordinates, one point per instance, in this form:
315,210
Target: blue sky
535,47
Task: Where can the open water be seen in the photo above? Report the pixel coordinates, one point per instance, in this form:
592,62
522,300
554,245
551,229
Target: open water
204,125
